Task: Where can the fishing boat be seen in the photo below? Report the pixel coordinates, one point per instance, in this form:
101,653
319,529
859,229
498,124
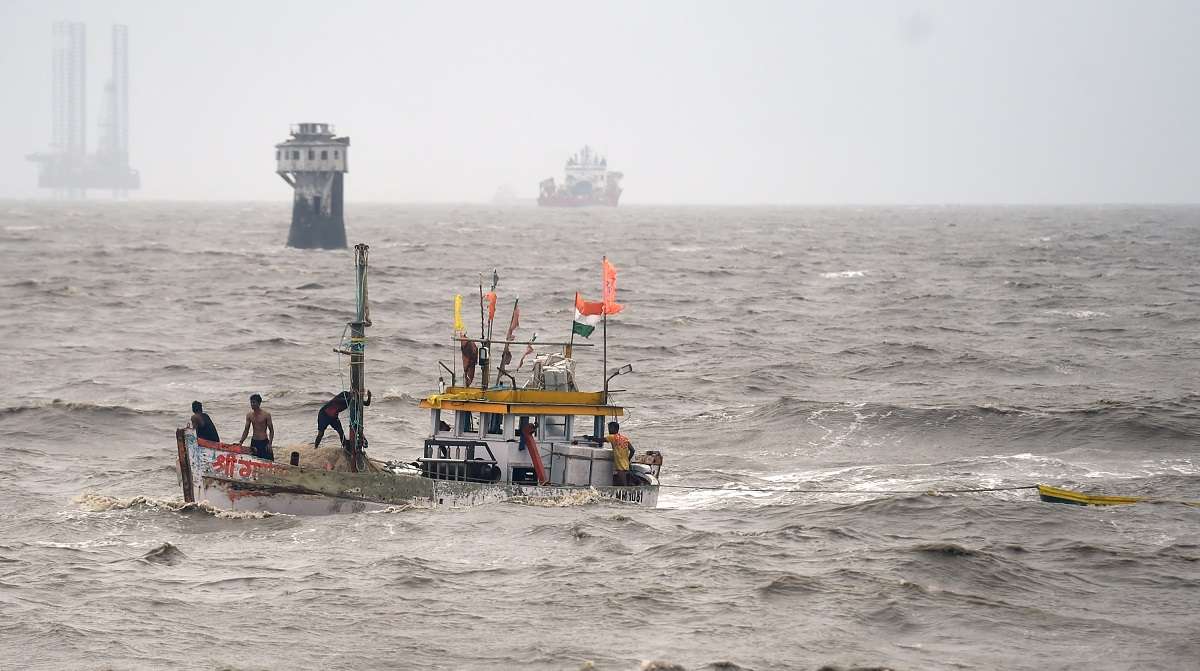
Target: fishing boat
542,442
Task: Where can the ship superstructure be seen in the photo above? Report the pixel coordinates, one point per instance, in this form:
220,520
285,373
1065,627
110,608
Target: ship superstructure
587,181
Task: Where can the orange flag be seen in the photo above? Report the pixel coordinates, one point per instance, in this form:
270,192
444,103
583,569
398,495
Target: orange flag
491,301
587,308
611,306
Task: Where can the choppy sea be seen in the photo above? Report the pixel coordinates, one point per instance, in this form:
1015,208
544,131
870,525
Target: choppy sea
876,350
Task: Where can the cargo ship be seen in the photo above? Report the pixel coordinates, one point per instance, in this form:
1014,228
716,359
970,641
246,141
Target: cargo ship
587,181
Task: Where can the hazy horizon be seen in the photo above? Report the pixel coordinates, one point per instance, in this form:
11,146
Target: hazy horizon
794,104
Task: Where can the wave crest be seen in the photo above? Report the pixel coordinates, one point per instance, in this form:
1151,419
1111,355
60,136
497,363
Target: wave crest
100,503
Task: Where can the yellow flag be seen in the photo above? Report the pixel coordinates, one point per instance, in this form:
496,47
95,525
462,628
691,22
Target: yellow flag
458,325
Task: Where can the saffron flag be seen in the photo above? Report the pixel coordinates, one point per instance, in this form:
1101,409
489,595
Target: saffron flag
587,315
611,306
514,322
506,358
458,325
470,357
491,300
528,351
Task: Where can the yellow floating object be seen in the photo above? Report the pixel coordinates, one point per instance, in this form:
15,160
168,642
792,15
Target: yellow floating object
1059,495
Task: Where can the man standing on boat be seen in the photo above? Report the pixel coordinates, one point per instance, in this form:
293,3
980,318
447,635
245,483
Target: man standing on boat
264,430
621,448
203,424
327,416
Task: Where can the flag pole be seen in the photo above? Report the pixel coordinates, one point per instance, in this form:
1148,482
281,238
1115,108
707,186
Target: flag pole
482,336
571,343
605,328
508,337
604,298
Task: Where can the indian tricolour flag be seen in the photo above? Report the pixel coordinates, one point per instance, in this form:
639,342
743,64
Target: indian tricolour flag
587,315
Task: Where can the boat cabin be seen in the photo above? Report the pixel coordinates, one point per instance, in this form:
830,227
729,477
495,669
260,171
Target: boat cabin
520,436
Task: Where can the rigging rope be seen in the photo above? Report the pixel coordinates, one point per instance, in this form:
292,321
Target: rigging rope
341,346
855,491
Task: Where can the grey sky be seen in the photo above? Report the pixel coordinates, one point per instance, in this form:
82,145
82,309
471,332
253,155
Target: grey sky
697,102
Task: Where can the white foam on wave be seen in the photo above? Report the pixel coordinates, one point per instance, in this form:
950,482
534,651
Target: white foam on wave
704,499
581,497
100,503
1079,314
840,274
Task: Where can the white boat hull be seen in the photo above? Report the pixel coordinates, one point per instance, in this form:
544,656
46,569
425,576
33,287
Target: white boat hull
243,483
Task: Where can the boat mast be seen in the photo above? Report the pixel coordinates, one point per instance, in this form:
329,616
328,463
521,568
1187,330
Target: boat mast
358,350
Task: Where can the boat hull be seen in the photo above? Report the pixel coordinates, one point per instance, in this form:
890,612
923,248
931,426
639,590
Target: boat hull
1059,495
591,200
238,481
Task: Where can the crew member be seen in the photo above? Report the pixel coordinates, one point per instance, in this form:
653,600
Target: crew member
264,430
622,449
328,415
203,424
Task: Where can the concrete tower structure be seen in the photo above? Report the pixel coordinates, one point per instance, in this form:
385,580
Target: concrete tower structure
312,162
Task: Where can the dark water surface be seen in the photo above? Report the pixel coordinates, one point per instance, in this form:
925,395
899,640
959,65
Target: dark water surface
874,349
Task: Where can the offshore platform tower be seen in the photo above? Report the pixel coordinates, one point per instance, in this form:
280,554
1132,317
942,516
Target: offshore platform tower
312,162
68,168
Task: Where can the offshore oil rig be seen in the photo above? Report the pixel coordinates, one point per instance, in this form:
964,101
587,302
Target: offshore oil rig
68,168
312,162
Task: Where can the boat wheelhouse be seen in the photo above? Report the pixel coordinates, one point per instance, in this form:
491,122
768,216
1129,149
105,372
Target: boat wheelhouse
528,437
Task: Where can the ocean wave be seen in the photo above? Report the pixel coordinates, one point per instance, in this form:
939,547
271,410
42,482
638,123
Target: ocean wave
790,583
80,407
660,665
165,554
944,549
843,274
265,342
1079,314
1116,420
99,503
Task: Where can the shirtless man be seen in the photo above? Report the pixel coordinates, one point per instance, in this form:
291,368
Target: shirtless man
264,430
327,416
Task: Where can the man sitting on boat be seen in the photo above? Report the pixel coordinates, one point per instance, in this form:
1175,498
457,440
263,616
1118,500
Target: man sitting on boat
203,424
264,429
622,450
327,416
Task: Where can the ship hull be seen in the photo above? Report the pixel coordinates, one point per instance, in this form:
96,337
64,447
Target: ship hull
238,481
567,200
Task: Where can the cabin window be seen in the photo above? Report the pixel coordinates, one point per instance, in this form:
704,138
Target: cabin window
493,424
276,154
468,425
583,430
335,153
311,154
522,422
554,427
524,475
295,154
324,154
439,424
